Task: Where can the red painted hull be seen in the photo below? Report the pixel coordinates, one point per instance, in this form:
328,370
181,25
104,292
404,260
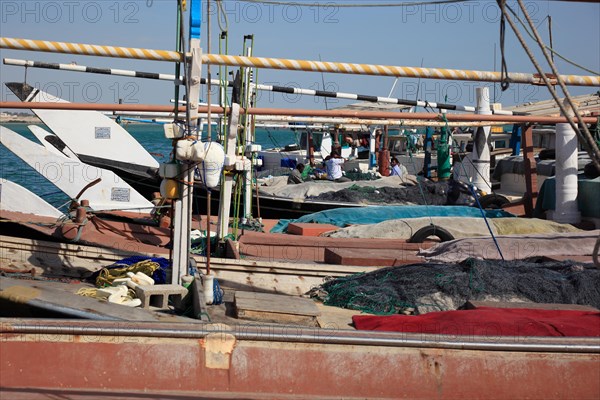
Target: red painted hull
115,360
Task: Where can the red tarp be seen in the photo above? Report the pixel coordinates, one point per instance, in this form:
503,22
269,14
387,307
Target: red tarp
487,321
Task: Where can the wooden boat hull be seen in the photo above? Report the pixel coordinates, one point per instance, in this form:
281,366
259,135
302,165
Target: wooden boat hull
147,182
267,207
78,261
114,360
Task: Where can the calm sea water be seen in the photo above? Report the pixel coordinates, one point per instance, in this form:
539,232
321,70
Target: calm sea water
150,136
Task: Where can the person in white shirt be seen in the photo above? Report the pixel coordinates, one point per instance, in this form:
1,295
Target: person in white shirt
396,169
334,168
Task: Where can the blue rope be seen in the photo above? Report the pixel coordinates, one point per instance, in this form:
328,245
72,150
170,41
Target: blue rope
486,221
217,294
479,205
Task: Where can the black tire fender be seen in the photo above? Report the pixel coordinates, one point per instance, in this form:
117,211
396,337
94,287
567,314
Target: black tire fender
494,201
431,230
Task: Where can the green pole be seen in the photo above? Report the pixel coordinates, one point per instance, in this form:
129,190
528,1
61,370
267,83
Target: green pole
443,155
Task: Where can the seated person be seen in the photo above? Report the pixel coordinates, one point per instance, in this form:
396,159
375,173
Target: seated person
396,169
334,168
296,176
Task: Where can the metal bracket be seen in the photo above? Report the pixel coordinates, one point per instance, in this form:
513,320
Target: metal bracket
194,74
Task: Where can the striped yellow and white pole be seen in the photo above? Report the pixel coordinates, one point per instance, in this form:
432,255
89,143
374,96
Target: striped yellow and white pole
387,70
287,64
89,49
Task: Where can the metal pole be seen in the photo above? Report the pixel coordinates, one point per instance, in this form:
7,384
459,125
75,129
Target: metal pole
208,236
480,156
208,73
253,332
540,119
566,210
531,193
495,70
550,35
247,140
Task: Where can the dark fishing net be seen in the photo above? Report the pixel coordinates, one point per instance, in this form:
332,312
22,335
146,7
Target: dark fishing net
440,287
435,193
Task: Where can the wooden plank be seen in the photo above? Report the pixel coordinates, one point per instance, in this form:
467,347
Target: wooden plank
286,319
472,304
335,317
278,239
310,229
275,308
298,252
275,303
530,164
371,257
23,298
70,254
60,259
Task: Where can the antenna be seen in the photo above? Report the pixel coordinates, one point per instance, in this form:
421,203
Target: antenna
550,34
419,85
393,87
494,71
323,82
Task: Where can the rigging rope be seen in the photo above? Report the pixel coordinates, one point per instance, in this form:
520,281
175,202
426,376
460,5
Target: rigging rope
221,13
504,80
585,136
486,221
177,65
352,5
586,133
548,47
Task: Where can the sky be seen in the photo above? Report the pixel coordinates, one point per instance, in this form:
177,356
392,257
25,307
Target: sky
460,35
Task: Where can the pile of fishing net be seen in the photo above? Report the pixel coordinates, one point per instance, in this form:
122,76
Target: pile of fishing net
433,193
422,288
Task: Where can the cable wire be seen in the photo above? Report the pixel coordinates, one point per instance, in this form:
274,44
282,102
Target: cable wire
351,5
593,150
504,79
221,13
548,47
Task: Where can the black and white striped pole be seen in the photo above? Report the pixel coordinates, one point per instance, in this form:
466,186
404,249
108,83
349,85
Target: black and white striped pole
269,88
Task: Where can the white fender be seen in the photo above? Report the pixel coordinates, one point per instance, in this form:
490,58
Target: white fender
212,166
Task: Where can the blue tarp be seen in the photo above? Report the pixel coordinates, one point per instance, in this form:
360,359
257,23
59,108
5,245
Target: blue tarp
371,215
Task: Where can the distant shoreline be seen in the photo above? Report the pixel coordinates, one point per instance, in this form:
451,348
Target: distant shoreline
20,119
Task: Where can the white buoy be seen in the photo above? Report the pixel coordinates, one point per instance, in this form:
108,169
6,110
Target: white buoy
208,286
566,210
481,152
